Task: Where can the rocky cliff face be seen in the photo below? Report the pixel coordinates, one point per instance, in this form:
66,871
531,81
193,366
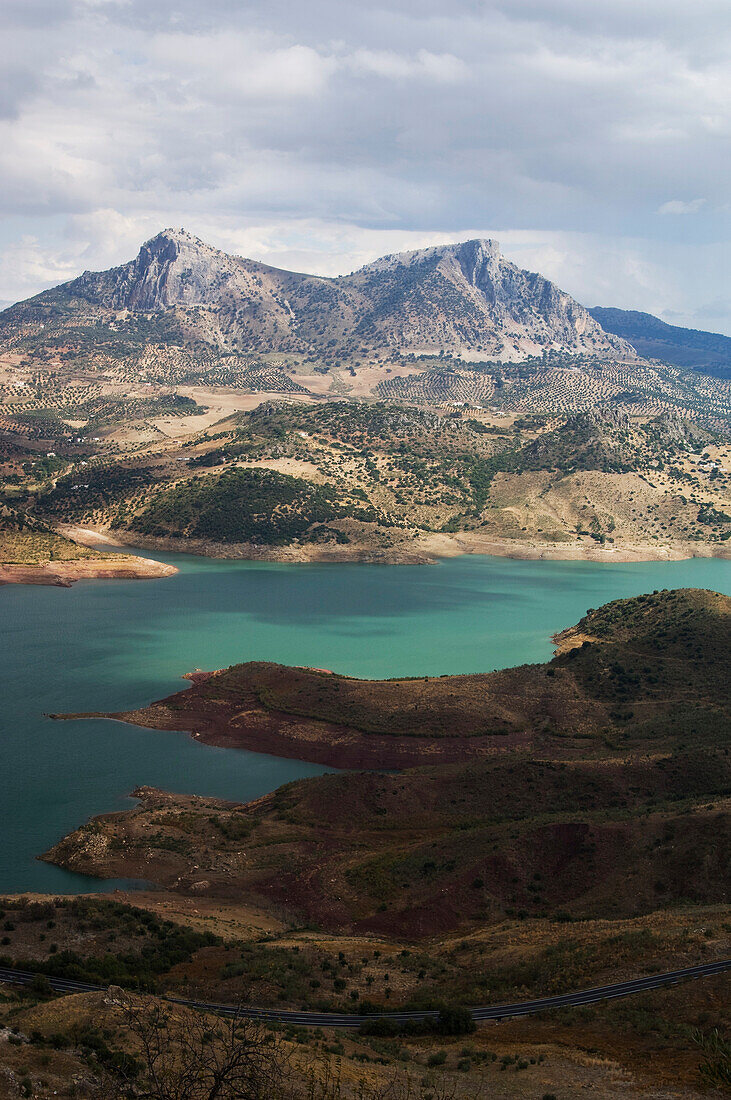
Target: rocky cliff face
470,301
464,299
227,300
172,270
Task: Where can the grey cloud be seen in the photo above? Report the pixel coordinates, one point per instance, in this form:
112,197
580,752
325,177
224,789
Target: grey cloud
16,84
34,13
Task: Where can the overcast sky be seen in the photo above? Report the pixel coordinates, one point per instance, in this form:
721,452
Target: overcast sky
591,137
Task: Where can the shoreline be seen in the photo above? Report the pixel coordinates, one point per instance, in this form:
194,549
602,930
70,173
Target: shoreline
312,741
546,717
250,726
63,574
346,722
423,551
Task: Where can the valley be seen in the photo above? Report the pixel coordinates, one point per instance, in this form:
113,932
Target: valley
387,348
433,403
498,834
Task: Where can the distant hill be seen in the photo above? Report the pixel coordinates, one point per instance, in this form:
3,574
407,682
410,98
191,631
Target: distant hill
348,480
709,352
463,299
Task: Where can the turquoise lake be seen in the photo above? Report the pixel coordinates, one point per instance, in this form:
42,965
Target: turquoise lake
110,645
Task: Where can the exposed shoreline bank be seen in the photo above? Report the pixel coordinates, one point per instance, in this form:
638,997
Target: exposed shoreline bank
423,551
62,574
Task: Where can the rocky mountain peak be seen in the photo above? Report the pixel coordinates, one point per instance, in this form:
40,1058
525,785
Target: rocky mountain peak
603,420
467,254
479,260
173,268
171,242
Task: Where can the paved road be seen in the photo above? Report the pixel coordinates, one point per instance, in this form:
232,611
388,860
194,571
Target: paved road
488,1012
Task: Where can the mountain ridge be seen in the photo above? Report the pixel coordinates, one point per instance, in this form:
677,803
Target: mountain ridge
708,352
462,299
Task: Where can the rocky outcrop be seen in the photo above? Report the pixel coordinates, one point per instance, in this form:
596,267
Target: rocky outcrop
675,431
172,270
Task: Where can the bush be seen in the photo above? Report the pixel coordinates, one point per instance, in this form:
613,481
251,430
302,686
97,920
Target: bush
40,986
381,1027
449,1021
715,1069
455,1021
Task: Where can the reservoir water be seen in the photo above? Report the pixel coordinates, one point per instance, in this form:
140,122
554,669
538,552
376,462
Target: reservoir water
112,645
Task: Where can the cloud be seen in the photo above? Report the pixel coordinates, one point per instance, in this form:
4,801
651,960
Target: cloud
442,68
240,66
26,265
265,122
678,206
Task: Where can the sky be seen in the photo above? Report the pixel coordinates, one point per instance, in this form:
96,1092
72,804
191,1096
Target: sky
592,138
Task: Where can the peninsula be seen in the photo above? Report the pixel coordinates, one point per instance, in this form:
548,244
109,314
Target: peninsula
33,554
613,684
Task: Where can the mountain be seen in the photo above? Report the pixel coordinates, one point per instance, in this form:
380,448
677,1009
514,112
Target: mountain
469,300
708,352
463,299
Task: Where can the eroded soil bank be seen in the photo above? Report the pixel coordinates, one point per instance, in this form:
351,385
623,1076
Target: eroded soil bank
65,573
420,551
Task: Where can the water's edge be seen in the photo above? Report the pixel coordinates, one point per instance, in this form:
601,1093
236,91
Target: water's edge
114,645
